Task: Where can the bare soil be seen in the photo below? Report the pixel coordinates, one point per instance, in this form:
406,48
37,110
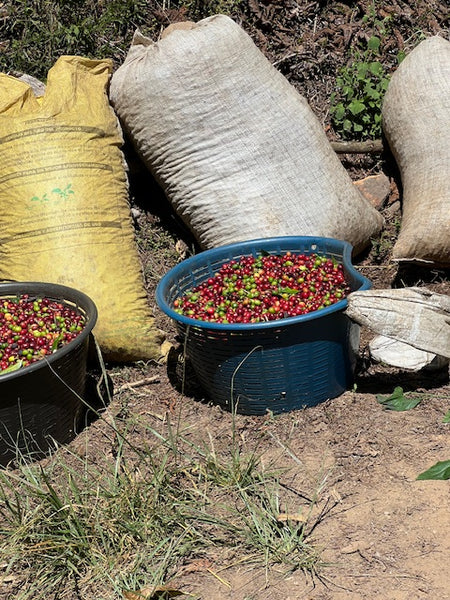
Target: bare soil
382,533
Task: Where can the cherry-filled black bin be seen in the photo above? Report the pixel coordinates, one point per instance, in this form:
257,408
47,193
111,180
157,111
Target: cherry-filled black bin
41,404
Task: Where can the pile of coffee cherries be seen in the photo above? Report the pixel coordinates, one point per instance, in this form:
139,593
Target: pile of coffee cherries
31,328
266,288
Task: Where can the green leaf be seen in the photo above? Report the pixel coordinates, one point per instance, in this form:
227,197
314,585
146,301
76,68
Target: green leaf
339,112
286,290
441,471
361,69
356,107
347,125
446,418
57,341
372,92
347,91
397,401
374,43
15,367
376,68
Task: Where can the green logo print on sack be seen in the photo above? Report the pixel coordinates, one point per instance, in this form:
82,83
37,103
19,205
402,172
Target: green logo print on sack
55,197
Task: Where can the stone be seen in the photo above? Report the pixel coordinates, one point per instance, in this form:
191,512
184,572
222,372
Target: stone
376,188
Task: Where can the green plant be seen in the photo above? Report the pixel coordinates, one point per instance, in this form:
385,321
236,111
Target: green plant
35,33
200,9
398,401
439,471
381,246
257,514
361,84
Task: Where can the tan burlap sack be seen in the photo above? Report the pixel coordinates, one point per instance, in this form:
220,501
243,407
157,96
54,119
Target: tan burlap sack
416,121
412,315
236,148
64,212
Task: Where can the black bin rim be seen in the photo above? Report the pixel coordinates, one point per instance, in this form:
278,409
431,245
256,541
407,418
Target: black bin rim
54,291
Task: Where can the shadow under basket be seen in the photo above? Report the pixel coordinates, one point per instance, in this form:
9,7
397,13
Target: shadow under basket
275,366
41,405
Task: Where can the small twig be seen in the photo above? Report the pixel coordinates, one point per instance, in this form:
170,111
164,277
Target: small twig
219,578
139,383
358,147
389,266
284,58
390,575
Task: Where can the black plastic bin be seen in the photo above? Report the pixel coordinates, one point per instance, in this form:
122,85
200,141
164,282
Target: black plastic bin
42,403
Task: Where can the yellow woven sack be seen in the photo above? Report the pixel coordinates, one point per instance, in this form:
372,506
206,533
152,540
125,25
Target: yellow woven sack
64,211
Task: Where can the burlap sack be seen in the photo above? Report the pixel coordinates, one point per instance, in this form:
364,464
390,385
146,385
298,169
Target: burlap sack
416,121
238,151
416,316
64,212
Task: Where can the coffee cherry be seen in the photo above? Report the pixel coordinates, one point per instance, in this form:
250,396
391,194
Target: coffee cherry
31,328
266,288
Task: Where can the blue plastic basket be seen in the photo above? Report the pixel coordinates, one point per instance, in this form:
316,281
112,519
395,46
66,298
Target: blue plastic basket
275,366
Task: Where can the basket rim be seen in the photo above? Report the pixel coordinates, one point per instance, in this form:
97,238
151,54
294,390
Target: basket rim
58,292
198,260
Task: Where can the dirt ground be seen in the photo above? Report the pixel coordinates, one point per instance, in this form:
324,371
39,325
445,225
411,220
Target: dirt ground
383,534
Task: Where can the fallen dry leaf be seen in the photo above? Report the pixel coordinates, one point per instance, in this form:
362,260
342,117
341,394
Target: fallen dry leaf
160,592
298,518
194,566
